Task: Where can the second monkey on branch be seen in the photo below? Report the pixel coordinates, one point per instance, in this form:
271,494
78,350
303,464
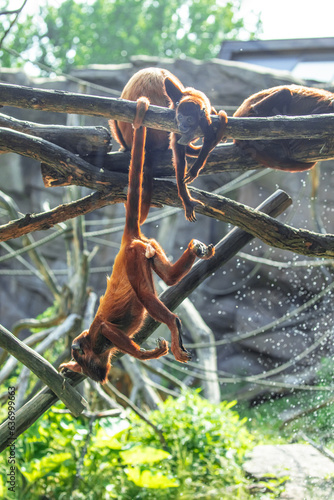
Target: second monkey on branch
192,110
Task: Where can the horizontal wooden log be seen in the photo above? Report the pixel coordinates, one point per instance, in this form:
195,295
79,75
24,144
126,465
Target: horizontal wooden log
79,140
71,169
93,144
224,158
316,126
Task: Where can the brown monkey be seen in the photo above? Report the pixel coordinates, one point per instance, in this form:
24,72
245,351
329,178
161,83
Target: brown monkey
193,112
130,293
290,100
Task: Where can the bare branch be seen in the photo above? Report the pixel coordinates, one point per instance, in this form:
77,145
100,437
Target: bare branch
8,203
36,323
137,410
140,381
8,12
308,411
43,369
46,220
80,140
161,118
207,356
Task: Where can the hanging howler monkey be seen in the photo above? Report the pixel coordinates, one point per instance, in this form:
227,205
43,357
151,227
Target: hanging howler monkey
192,109
290,100
130,293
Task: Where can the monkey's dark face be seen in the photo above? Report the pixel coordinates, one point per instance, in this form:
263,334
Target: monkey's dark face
95,366
188,117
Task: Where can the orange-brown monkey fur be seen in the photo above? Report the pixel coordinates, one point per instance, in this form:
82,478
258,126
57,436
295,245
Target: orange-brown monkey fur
293,100
148,82
130,293
193,110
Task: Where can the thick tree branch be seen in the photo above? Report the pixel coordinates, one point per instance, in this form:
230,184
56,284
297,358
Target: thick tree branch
79,140
43,369
67,168
93,143
316,126
70,168
224,158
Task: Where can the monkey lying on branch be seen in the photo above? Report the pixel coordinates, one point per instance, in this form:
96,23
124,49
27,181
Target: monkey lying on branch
291,100
130,293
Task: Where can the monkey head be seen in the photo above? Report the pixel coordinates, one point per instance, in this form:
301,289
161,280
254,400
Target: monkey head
87,361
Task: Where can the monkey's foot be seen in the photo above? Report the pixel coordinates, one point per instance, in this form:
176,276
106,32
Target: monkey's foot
162,348
180,353
159,351
70,366
201,250
189,207
177,348
182,356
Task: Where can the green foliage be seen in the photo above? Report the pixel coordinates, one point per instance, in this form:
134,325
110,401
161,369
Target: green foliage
78,33
208,440
49,313
203,455
266,419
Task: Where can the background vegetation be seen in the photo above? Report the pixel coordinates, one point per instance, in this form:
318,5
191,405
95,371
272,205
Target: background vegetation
78,33
201,455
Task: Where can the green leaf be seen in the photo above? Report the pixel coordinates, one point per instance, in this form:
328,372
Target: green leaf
230,404
146,479
40,468
143,455
2,488
104,439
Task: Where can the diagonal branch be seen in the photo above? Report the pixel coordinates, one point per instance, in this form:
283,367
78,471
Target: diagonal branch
229,246
225,250
43,369
11,24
